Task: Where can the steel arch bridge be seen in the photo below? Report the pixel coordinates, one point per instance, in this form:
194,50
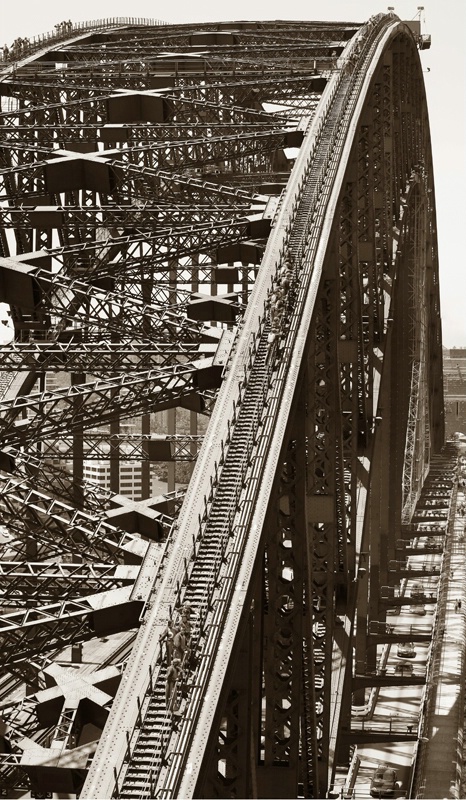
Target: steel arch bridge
219,247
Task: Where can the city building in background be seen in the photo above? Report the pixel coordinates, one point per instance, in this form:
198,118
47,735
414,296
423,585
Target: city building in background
454,382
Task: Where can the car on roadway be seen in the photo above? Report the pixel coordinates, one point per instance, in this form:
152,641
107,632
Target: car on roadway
383,782
406,650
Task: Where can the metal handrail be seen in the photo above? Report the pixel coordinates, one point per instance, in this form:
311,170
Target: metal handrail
30,46
203,613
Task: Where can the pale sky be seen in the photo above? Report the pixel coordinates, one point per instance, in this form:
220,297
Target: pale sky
445,20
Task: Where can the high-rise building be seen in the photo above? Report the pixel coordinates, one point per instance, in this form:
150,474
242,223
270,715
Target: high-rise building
454,371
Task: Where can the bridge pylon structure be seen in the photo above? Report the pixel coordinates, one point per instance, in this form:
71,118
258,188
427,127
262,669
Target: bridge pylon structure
218,245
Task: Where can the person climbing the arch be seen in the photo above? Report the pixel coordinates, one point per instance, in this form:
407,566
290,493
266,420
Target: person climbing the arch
167,636
173,673
179,642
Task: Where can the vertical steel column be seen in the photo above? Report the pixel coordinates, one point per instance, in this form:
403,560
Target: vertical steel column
325,515
78,446
283,633
230,765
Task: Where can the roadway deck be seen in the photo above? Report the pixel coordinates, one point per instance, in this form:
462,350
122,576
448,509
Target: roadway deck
441,756
434,714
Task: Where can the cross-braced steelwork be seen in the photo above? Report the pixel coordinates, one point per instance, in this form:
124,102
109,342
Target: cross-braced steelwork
218,247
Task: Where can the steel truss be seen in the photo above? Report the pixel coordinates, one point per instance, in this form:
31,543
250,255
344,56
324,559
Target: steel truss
236,220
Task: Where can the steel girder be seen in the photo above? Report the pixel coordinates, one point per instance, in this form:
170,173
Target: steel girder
56,413
45,526
92,356
143,202
54,479
38,583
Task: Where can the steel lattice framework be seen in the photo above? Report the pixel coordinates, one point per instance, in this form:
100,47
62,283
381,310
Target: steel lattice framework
237,220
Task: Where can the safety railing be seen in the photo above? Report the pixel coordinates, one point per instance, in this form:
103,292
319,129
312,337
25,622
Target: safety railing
212,608
394,725
23,47
378,628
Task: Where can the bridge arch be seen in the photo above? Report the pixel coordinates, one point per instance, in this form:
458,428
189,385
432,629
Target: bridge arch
291,299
